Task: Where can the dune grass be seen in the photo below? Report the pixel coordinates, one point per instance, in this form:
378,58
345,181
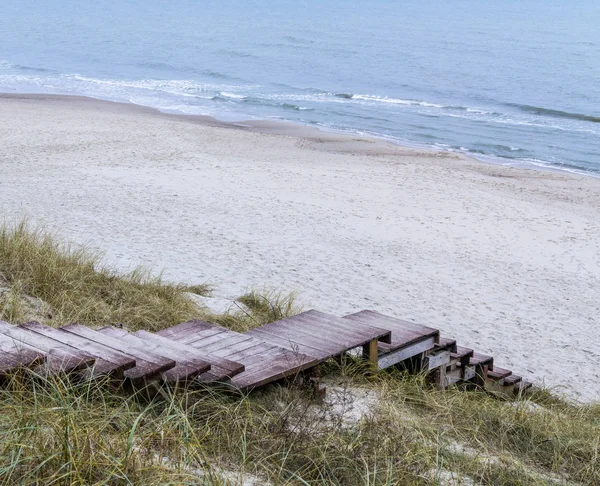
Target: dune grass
257,308
382,429
78,288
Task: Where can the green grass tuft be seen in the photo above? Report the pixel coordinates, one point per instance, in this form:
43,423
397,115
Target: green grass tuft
258,308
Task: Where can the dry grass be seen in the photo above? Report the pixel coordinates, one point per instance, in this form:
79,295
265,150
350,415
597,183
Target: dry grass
78,288
54,431
257,308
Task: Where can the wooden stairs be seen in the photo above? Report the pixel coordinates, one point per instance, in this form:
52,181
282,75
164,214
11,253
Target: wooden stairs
201,353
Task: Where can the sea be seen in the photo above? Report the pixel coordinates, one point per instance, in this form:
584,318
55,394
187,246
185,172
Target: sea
515,82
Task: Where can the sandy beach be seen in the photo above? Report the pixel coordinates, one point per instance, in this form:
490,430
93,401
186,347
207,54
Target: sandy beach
505,260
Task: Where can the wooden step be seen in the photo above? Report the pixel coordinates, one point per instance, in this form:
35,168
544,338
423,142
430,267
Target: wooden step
462,354
522,387
108,361
479,359
221,369
498,374
512,380
186,367
147,365
446,343
59,358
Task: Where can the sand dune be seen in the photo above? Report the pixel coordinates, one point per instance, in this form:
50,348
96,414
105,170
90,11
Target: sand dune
506,260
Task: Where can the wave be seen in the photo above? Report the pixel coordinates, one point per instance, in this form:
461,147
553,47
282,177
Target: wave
20,67
291,106
232,96
411,102
537,110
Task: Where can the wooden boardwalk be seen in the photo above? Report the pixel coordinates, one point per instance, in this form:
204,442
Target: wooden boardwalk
197,352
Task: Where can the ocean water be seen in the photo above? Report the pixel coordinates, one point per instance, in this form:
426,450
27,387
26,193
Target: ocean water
516,82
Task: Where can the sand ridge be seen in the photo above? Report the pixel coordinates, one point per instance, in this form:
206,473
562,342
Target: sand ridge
506,260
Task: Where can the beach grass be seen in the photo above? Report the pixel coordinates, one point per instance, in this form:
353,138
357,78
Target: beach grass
77,287
387,428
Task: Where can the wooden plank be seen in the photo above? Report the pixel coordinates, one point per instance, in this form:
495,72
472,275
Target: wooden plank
479,359
328,349
230,345
436,359
462,354
512,380
228,340
283,368
259,349
406,352
58,357
186,366
13,356
206,337
229,368
342,337
522,387
363,328
401,329
209,335
146,364
290,345
107,360
468,372
184,329
446,343
498,373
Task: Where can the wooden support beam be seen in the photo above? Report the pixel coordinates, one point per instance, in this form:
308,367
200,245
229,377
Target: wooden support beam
370,352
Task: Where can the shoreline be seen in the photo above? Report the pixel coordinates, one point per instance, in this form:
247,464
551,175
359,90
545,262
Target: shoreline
505,260
291,128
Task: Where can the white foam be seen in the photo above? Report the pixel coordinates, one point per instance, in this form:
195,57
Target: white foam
232,95
395,101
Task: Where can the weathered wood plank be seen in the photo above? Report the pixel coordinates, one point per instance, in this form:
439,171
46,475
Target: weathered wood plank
107,360
440,358
58,357
186,366
328,328
13,356
146,364
328,348
522,387
365,329
512,380
279,370
403,332
206,337
479,359
290,345
447,343
405,352
184,329
228,368
498,373
462,354
226,340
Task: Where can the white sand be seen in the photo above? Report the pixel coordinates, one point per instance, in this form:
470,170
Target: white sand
505,260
